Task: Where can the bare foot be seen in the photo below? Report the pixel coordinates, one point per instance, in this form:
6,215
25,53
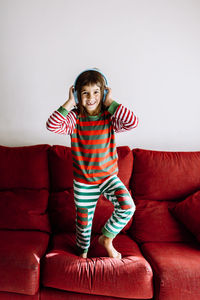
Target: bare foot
108,245
83,255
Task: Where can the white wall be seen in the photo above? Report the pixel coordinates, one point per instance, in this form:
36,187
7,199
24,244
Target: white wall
149,50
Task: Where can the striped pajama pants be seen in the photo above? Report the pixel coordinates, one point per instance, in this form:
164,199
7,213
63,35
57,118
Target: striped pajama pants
86,197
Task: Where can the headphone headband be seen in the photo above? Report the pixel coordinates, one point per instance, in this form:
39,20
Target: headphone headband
93,69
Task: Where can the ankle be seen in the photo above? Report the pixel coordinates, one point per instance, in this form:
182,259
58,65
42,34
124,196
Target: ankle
105,240
83,255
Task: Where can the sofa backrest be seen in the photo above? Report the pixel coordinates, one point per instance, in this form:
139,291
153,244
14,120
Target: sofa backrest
24,185
160,175
61,205
24,167
161,179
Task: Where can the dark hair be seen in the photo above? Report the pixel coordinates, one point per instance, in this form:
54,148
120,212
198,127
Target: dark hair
87,78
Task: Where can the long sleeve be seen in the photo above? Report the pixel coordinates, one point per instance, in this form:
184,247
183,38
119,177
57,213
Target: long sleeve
123,119
62,121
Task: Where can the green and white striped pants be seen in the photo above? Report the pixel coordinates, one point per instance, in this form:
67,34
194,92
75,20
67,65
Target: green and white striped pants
86,197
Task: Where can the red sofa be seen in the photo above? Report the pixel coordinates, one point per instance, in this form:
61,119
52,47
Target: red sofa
160,245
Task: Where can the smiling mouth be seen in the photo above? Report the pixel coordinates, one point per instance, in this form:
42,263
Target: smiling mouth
91,104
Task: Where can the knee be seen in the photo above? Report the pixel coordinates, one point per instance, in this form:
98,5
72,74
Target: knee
130,207
125,200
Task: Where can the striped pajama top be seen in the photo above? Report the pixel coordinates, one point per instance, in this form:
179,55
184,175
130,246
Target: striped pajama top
93,140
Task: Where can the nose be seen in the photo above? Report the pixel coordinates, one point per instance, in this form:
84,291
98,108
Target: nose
90,97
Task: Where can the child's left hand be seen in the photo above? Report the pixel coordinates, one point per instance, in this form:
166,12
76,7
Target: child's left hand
108,99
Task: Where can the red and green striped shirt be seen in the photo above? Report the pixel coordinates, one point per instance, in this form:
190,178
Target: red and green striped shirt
93,139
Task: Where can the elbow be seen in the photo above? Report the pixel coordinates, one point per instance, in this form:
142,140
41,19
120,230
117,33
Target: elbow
134,124
48,126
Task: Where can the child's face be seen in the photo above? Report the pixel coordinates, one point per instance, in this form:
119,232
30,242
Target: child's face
91,99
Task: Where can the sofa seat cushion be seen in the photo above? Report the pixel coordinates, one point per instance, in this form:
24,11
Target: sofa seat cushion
20,254
188,213
176,269
23,209
130,277
153,222
54,294
14,296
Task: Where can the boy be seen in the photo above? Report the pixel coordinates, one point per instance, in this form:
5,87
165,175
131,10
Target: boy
91,126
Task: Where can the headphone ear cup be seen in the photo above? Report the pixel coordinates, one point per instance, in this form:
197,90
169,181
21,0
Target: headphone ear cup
104,94
76,97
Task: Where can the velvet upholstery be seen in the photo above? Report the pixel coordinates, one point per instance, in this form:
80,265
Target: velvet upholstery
162,175
24,209
153,222
15,296
188,213
62,217
160,245
52,294
24,192
24,167
162,222
176,270
20,254
60,166
98,274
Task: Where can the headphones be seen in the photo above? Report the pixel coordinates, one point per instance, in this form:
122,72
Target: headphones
96,70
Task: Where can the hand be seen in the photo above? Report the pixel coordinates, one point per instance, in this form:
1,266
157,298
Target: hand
71,95
108,99
70,103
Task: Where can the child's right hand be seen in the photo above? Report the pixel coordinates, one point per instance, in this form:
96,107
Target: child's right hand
70,103
71,95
